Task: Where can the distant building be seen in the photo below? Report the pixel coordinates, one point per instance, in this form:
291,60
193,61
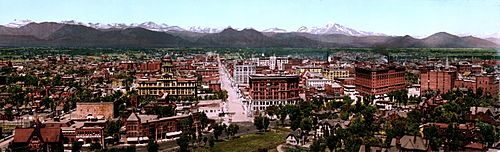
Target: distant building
333,73
379,80
91,110
487,83
242,71
437,80
181,87
38,138
142,127
268,90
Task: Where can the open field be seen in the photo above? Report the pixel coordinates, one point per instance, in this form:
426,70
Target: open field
251,142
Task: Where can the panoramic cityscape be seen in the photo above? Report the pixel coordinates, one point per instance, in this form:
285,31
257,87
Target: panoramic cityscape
249,76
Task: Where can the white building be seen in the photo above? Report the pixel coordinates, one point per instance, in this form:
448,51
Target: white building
317,82
241,73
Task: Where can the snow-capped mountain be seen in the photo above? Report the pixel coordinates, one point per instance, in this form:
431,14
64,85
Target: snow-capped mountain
334,28
18,23
330,28
275,30
199,29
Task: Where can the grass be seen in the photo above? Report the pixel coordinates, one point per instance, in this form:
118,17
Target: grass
252,142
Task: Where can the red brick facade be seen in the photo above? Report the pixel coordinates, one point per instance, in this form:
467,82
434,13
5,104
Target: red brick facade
437,80
378,81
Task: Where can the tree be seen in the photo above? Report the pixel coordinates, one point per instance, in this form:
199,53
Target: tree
95,146
76,146
203,120
183,142
153,146
432,134
306,124
283,112
317,146
205,139
266,123
218,128
272,110
487,134
258,122
232,129
211,141
332,141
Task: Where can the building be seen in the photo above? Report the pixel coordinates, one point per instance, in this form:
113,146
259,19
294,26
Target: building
379,80
267,90
180,87
273,62
242,71
99,110
441,81
317,82
141,127
38,138
333,73
486,83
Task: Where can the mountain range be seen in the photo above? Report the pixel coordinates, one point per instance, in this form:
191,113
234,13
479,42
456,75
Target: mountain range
150,34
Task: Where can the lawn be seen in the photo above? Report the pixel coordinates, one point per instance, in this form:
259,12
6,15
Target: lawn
252,142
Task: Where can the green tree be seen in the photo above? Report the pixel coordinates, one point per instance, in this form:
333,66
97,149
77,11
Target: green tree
317,146
95,146
432,134
218,129
153,146
487,134
203,120
76,146
272,110
258,122
211,142
183,142
306,124
332,142
266,123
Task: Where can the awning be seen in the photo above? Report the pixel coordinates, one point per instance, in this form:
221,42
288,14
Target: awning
80,139
174,133
143,138
132,138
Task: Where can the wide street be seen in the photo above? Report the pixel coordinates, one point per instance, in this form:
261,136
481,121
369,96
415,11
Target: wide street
233,105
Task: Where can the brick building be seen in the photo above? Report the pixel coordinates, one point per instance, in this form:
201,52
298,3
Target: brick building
150,66
487,83
38,138
267,90
437,80
100,110
379,80
142,127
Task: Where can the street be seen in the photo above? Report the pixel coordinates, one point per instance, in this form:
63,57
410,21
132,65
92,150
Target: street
234,102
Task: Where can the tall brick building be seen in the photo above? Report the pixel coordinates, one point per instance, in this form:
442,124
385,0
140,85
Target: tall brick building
379,80
437,80
487,83
267,90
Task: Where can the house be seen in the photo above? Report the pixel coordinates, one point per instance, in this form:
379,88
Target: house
410,143
38,138
476,147
296,138
329,125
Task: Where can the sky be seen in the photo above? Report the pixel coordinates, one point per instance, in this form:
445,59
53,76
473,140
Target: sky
392,17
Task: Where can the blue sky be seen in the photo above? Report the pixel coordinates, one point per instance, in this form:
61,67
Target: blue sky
393,17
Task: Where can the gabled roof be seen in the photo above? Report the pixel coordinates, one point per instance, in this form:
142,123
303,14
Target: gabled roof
411,143
133,117
50,134
23,134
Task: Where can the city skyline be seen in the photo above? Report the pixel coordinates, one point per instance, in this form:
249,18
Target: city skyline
422,18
